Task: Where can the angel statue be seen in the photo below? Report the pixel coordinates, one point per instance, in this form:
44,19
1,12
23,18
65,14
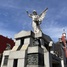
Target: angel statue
37,20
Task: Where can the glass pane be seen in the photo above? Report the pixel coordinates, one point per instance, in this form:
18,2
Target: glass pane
5,60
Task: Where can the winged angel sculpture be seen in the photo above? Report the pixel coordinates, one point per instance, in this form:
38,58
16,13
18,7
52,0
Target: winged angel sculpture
37,20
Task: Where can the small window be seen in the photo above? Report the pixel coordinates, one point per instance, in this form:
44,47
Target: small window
5,60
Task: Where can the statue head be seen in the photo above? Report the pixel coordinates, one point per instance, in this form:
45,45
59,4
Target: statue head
34,12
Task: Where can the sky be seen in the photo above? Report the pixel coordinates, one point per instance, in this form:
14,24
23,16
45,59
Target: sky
13,16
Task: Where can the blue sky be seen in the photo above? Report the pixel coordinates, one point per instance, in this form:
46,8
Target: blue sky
13,17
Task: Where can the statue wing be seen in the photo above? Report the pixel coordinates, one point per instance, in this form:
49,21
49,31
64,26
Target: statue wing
42,15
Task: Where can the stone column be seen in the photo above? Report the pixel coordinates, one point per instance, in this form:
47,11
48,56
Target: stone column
47,58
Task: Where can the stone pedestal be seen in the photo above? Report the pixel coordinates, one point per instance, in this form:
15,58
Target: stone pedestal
30,50
35,56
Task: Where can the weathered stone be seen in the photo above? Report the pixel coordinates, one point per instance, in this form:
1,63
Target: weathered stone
28,40
34,66
24,47
35,59
18,42
10,63
15,48
21,63
24,34
17,54
35,49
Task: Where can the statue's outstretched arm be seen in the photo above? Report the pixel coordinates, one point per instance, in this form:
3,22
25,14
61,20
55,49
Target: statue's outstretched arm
27,12
30,15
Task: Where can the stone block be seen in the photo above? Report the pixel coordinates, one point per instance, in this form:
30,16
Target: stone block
17,42
6,52
17,54
34,66
21,63
10,63
35,59
38,35
15,48
35,49
50,43
28,40
24,34
24,47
